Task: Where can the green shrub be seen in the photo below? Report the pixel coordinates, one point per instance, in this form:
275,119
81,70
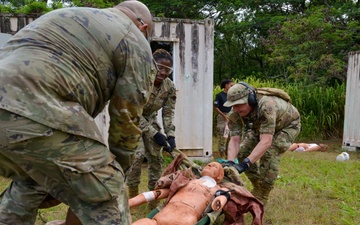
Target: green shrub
34,7
93,3
6,9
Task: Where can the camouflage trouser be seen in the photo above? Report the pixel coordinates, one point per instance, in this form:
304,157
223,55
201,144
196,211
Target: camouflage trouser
263,174
75,170
220,127
153,153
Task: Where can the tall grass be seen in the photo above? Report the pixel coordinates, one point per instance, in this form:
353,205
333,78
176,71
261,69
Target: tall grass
321,108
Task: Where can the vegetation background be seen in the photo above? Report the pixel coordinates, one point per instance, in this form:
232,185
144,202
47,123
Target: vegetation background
300,46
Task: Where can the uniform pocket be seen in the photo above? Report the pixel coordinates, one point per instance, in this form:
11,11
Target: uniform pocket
93,175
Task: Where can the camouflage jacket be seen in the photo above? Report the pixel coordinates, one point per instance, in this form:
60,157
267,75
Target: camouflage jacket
163,97
271,115
62,69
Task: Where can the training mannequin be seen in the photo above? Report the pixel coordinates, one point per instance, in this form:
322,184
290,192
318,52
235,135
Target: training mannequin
305,147
188,204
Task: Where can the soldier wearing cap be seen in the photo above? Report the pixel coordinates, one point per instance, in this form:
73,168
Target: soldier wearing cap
264,127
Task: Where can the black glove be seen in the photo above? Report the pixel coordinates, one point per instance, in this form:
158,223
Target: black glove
239,167
160,139
171,141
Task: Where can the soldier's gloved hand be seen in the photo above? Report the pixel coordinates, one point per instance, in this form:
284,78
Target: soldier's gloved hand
241,167
160,139
171,141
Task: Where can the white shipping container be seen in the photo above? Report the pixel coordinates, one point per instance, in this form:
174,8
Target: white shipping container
351,136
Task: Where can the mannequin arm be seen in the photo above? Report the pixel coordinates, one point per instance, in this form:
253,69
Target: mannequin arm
218,203
148,197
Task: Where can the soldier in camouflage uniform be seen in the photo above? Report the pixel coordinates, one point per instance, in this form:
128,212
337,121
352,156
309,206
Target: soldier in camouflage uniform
268,126
163,97
56,75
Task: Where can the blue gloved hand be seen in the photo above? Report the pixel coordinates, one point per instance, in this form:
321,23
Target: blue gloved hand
171,141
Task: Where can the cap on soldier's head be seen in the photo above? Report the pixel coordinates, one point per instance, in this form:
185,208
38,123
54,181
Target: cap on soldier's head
237,94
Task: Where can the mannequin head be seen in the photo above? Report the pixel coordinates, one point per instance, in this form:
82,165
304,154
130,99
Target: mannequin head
214,170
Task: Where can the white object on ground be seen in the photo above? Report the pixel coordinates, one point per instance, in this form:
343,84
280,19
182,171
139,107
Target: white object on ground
347,156
344,156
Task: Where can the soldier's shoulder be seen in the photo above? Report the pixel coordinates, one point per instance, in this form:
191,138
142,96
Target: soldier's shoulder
169,83
268,100
233,116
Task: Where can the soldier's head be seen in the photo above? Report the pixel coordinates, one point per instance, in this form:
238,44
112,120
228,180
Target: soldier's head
226,84
164,63
242,98
214,170
139,14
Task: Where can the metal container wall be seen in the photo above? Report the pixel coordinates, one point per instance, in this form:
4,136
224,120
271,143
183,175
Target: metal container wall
193,46
351,136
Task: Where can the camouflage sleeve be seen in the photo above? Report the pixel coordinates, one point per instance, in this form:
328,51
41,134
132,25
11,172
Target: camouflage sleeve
267,116
168,112
235,124
146,127
135,66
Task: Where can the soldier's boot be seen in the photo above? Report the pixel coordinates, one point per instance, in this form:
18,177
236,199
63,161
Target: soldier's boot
133,191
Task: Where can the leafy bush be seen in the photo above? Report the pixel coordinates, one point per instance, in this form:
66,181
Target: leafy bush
93,3
34,7
6,9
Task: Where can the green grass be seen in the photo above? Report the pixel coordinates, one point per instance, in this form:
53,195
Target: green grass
313,188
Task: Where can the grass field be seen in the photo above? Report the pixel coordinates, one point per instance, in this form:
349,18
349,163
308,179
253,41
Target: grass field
313,188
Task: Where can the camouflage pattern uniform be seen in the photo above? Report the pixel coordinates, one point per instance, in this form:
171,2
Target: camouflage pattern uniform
163,98
56,75
222,142
274,116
